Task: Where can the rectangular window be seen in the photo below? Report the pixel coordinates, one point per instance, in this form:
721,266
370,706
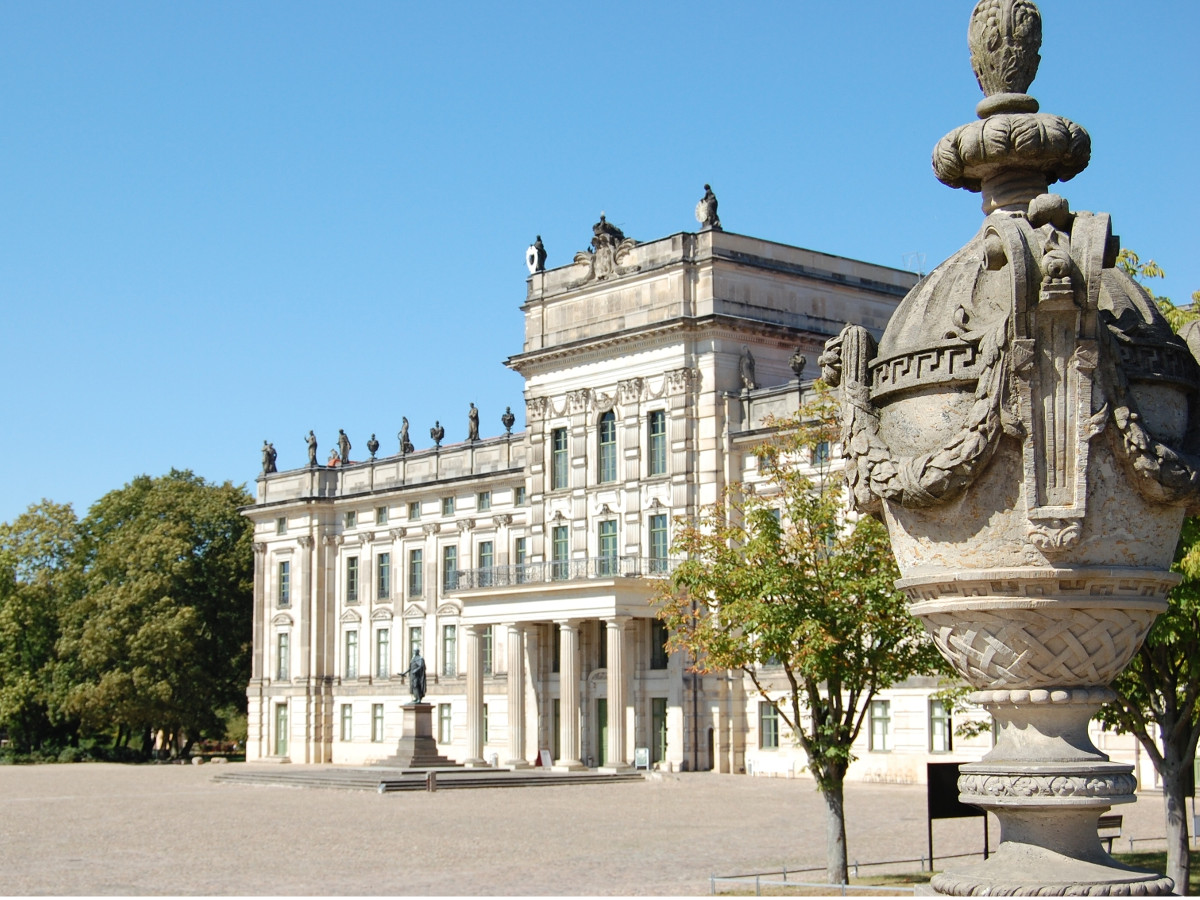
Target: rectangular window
657,444
285,582
519,496
658,729
488,649
558,459
283,657
449,568
416,573
414,510
281,729
768,726
447,506
383,576
607,468
487,559
820,453
560,549
483,501
383,653
606,565
658,644
377,723
520,558
443,723
660,544
351,519
381,515
941,732
485,723
881,725
281,525
352,579
347,722
449,651
415,641
351,669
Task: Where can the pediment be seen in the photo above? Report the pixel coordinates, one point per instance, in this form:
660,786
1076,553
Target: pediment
351,615
450,608
382,614
283,620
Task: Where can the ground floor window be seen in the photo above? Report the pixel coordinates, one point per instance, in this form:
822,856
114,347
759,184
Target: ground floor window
347,722
485,723
443,723
881,725
941,733
658,729
281,729
377,722
768,726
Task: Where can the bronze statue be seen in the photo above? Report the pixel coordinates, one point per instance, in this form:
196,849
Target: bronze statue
507,419
268,458
706,210
372,445
311,440
416,677
343,447
405,444
536,257
473,424
437,432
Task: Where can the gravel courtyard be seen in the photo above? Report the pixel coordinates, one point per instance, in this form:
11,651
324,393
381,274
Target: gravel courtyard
169,829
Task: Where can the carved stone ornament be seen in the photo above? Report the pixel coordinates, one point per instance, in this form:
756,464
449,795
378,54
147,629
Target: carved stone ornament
608,250
502,519
397,533
466,524
630,390
536,407
260,548
431,527
306,541
1027,428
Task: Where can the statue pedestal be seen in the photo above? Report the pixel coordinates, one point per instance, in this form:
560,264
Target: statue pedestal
416,749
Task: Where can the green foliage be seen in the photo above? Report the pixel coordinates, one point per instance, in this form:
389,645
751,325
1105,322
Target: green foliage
1177,316
159,636
779,584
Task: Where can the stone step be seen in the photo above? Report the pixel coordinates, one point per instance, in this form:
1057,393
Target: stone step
390,781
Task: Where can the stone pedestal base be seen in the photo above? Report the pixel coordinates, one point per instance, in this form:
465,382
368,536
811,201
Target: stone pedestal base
416,749
568,765
516,764
1048,785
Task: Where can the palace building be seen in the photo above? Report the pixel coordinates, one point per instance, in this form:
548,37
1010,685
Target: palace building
523,564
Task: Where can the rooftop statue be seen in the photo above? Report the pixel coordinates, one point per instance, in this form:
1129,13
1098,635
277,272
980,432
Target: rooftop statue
1033,470
343,447
706,210
311,442
437,432
473,424
406,446
508,419
268,458
372,446
607,251
535,256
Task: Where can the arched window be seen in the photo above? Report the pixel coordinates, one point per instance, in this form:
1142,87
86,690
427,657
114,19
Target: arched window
608,448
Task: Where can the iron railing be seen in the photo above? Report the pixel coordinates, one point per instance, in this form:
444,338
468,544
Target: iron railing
561,570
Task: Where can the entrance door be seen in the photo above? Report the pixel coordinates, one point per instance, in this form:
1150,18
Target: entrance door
602,730
281,729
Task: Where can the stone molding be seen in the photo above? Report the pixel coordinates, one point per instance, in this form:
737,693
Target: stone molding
1084,696
465,525
398,533
502,519
260,548
964,886
306,541
431,527
1078,786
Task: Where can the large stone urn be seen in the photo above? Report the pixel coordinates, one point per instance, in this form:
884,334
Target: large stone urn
1024,428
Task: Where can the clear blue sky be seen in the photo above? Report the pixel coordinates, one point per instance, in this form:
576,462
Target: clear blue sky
224,222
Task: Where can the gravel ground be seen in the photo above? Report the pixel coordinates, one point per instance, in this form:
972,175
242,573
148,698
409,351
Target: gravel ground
170,829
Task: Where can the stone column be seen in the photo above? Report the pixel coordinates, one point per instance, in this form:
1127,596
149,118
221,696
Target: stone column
516,697
474,696
568,692
618,678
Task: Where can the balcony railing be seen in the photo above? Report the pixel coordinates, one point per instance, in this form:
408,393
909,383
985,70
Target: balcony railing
562,570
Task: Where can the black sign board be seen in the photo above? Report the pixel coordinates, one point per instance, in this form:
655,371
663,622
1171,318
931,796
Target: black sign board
941,793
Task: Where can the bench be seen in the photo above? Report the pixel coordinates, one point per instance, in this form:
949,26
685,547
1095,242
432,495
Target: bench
1108,828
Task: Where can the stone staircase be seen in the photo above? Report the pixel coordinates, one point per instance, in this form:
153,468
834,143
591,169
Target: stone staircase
386,781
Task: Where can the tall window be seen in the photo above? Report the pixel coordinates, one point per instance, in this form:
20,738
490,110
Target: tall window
607,564
941,732
487,559
414,510
558,459
443,723
285,583
351,519
520,558
281,729
416,573
607,469
415,640
351,654
282,656
488,649
449,568
447,506
281,525
449,651
881,725
657,443
377,722
659,544
768,726
381,515
347,722
658,644
352,579
483,501
519,496
383,576
485,718
560,549
383,653
820,453
658,729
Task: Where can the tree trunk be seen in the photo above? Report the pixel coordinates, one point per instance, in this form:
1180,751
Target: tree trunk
835,834
1178,858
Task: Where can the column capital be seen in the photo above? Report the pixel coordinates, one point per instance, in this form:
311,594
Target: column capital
568,623
616,621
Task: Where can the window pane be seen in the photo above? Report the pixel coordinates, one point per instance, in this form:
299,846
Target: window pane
881,714
449,568
486,561
414,510
486,640
659,543
352,579
484,501
658,644
384,576
285,583
347,722
657,443
520,558
376,722
768,731
416,573
607,564
381,515
449,650
351,519
558,459
383,653
415,644
351,654
283,657
519,496
443,723
281,525
447,506
658,729
608,448
560,550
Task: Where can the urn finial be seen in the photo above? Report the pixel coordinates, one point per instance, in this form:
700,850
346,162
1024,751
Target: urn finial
1005,36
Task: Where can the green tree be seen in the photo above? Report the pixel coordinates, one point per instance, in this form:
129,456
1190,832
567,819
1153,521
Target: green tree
1158,693
778,582
38,578
159,638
